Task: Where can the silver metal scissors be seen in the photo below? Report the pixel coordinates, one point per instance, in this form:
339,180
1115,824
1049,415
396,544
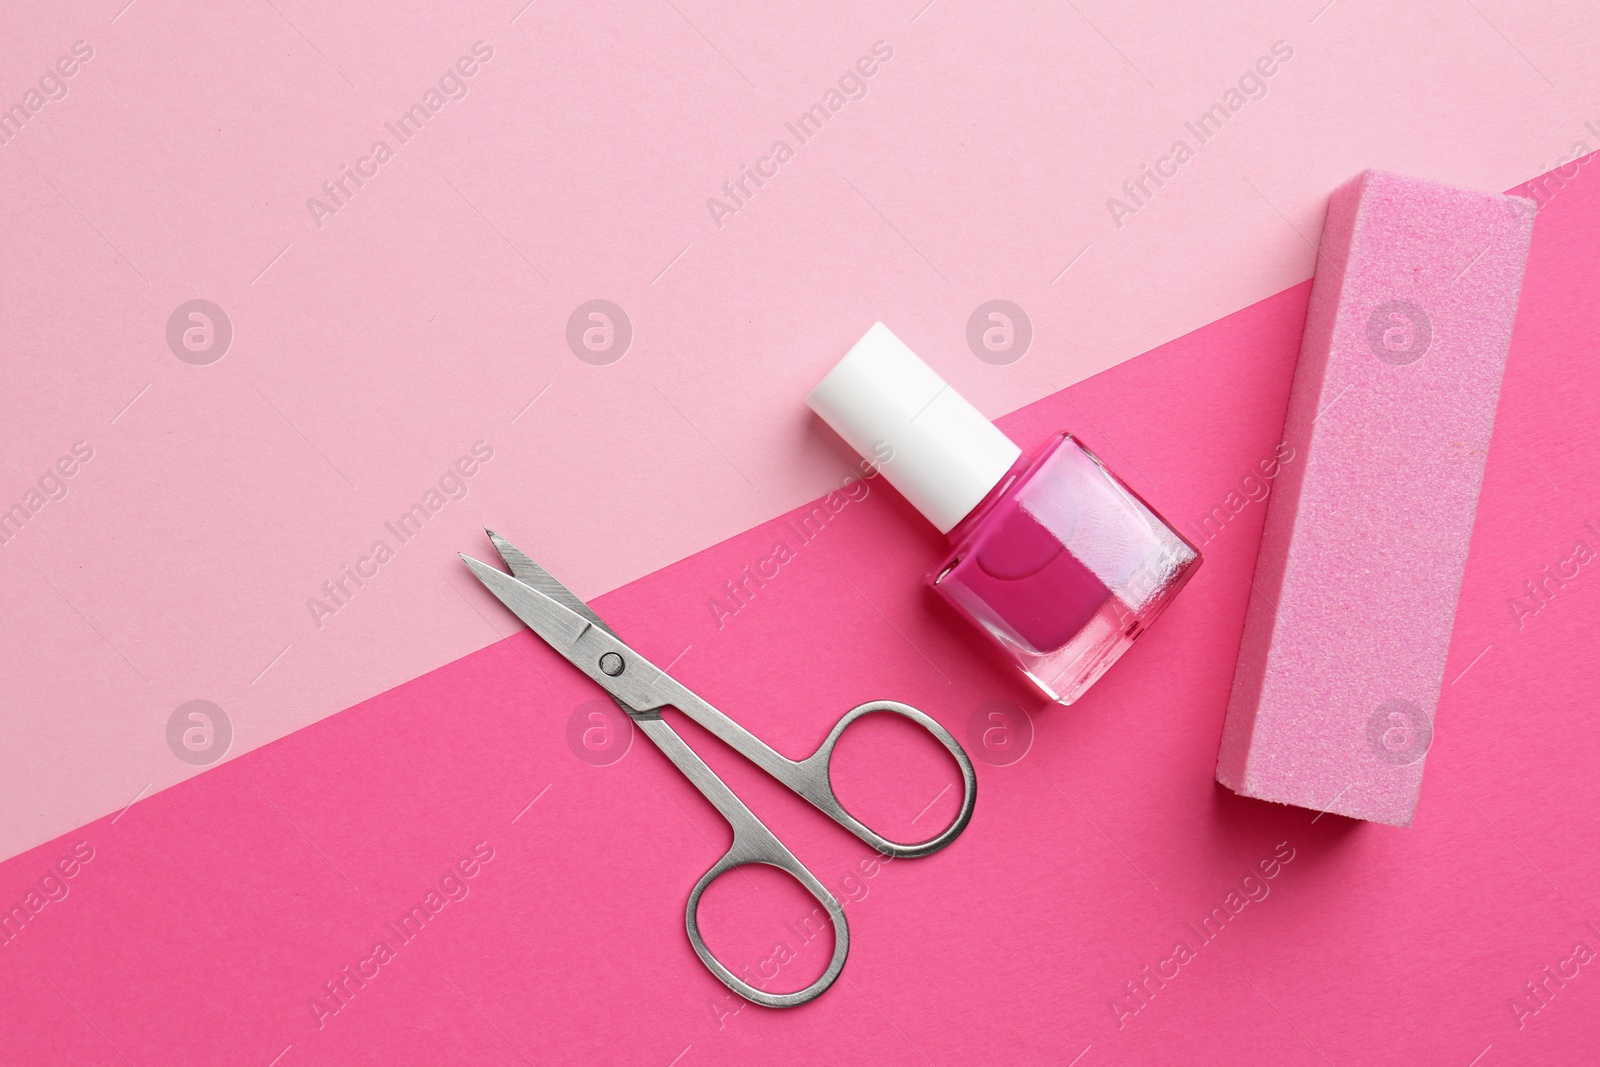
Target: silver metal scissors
642,689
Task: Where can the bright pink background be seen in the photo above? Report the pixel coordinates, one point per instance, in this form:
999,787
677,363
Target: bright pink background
213,912
375,350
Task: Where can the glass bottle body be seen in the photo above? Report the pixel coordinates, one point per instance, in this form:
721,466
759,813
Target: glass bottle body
1063,566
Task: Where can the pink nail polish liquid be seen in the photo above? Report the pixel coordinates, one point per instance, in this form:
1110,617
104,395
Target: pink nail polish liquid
1052,556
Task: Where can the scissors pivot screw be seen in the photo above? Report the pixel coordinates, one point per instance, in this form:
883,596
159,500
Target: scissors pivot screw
611,664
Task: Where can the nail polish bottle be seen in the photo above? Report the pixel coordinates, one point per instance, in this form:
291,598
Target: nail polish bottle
1051,555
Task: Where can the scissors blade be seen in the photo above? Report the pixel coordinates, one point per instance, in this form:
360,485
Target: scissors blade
531,574
559,625
564,629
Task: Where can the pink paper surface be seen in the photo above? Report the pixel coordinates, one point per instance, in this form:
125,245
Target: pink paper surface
373,346
212,914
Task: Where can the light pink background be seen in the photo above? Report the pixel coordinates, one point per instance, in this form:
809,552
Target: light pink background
428,312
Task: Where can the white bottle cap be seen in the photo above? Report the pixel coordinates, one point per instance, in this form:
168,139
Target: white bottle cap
933,446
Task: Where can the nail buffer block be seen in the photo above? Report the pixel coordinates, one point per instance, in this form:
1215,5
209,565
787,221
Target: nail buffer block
1366,538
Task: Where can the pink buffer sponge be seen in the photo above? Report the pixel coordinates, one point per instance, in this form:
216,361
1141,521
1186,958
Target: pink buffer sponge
1366,537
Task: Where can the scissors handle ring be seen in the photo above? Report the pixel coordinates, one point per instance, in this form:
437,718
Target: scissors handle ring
814,781
752,843
755,844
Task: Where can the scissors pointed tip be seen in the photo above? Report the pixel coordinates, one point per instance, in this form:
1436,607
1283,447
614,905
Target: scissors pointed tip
525,572
558,624
508,551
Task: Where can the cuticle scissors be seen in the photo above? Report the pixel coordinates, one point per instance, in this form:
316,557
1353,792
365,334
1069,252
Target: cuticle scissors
641,689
